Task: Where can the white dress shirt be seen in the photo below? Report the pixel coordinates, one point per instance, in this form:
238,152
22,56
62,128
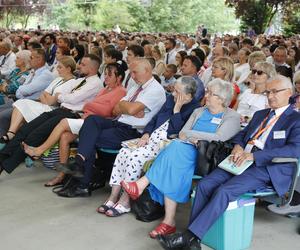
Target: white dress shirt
263,138
7,64
152,96
171,55
76,99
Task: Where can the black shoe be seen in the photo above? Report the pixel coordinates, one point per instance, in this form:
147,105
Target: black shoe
178,241
72,169
74,192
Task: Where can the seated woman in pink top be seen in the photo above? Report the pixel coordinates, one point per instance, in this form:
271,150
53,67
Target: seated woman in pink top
68,129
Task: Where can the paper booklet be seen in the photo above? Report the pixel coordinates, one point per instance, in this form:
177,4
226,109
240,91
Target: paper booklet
230,167
131,144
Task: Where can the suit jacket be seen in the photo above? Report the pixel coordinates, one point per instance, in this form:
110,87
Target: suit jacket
176,120
289,146
50,54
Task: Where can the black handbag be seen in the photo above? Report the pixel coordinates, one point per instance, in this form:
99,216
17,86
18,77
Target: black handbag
146,209
210,154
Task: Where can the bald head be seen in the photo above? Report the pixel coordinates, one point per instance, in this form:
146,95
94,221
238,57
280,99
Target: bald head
140,70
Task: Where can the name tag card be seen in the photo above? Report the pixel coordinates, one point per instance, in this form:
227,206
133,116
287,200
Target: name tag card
279,134
216,120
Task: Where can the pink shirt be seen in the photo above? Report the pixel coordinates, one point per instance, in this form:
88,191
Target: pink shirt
104,102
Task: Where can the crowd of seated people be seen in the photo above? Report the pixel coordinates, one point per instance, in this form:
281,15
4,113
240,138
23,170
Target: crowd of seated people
102,88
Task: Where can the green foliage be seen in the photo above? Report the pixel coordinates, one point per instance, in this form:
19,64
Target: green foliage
135,15
215,15
257,16
105,18
292,23
259,13
182,16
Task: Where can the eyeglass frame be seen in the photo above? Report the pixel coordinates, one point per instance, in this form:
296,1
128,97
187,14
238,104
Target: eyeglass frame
210,93
273,91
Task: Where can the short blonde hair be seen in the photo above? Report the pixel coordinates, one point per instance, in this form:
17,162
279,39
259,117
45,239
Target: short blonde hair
257,56
68,61
227,64
25,56
267,68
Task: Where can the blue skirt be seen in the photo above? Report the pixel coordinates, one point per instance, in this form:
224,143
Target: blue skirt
171,173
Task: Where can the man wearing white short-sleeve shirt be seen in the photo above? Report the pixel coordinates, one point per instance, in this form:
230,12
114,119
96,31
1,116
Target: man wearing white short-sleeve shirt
132,113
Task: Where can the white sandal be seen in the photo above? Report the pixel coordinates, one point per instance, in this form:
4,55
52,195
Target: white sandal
106,206
117,210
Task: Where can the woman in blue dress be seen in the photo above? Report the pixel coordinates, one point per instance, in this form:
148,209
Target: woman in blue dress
170,177
17,77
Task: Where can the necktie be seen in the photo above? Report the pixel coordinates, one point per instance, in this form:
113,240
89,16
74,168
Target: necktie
3,61
131,99
167,60
262,128
135,95
269,117
127,80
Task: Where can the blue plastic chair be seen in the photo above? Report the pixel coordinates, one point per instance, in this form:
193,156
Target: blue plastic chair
270,195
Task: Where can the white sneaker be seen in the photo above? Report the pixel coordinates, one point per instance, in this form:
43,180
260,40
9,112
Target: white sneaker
285,210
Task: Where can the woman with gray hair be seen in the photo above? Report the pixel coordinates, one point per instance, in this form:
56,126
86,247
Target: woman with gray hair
167,122
17,77
170,176
253,99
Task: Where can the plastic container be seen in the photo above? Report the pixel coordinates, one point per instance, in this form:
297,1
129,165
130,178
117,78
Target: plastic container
233,230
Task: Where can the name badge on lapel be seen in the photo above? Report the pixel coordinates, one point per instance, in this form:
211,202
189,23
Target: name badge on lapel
279,134
216,120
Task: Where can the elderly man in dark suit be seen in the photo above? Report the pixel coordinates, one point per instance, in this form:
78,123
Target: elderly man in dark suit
273,132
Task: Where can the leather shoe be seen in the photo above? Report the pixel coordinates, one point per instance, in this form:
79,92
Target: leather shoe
72,169
72,192
178,241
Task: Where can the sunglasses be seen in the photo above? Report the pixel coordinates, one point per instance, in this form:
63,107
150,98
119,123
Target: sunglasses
258,72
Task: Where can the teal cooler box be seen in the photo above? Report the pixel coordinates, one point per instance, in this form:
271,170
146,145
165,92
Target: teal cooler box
233,230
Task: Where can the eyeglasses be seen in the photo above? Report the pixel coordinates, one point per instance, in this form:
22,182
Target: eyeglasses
258,72
273,91
210,93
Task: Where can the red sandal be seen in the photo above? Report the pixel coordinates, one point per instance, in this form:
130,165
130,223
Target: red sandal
162,229
131,189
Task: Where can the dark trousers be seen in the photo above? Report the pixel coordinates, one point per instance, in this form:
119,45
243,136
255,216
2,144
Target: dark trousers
215,191
34,134
98,132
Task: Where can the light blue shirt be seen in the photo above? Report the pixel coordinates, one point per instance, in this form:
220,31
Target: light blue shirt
33,87
205,122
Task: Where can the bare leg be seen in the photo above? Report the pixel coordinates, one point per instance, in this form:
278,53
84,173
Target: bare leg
64,146
16,121
54,137
141,183
170,209
115,192
64,151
